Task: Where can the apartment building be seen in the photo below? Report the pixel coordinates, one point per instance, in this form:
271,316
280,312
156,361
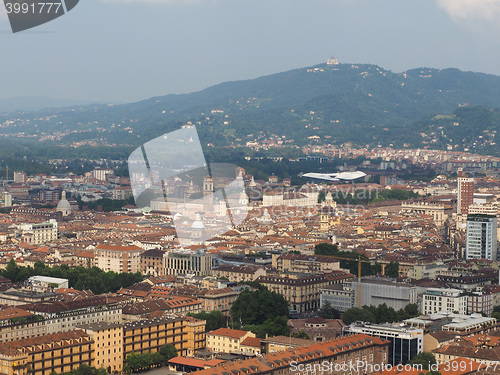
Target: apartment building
196,338
465,195
107,345
239,273
122,192
118,258
55,317
59,352
152,262
304,263
217,299
15,297
38,233
199,264
225,340
303,291
435,300
481,237
149,335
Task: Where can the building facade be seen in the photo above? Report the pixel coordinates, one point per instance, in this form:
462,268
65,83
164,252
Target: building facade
465,193
481,237
199,264
435,300
406,342
118,259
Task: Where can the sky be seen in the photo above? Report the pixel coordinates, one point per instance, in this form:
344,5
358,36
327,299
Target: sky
130,50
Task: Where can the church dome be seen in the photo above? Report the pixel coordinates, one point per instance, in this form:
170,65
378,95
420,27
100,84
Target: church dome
64,206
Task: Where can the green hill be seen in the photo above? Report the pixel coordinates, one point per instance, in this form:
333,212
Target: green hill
362,104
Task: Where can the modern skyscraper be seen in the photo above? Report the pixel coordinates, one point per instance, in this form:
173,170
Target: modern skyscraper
465,193
481,241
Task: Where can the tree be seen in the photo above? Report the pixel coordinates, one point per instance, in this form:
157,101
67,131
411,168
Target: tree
84,370
354,315
328,312
326,249
425,359
12,270
215,319
412,310
301,335
255,307
168,352
392,269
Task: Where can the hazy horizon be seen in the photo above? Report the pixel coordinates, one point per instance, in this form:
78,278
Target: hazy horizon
132,50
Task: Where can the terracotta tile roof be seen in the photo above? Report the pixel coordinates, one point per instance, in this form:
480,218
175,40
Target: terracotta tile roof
251,341
194,362
233,333
273,361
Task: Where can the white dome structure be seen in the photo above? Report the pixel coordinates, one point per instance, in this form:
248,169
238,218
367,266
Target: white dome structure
63,205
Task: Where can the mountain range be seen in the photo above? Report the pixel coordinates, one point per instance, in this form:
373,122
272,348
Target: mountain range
358,103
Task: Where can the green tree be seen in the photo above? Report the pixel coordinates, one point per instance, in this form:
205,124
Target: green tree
392,269
215,319
412,310
354,315
168,352
84,370
326,249
12,270
255,307
425,359
328,312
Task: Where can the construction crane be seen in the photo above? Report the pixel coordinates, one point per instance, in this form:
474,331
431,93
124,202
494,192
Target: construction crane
359,271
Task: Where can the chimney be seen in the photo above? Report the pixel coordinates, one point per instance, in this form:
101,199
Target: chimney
460,172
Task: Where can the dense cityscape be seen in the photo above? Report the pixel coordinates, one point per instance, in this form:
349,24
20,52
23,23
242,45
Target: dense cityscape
367,276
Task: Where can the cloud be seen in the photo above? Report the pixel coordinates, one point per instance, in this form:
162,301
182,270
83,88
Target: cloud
471,9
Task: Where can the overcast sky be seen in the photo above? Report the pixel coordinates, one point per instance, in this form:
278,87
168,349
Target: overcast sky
128,50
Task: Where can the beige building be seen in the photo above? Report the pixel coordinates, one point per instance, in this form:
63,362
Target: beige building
304,263
196,338
150,335
303,291
437,211
239,273
60,353
107,345
118,258
39,233
217,299
225,340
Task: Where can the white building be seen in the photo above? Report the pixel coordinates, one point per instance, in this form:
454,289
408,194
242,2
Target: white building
5,199
43,283
406,342
38,233
435,300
